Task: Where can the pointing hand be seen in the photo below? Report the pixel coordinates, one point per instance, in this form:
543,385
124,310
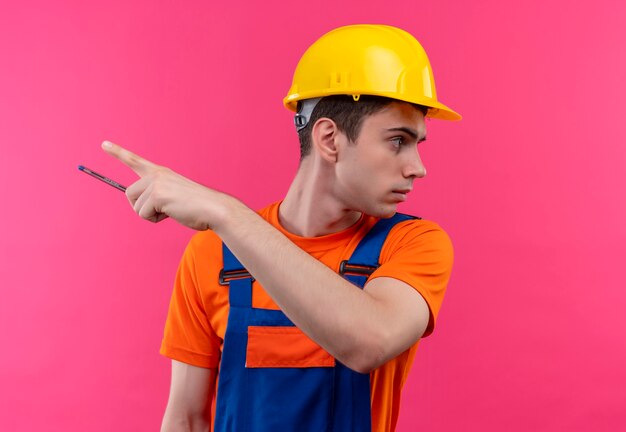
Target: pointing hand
161,192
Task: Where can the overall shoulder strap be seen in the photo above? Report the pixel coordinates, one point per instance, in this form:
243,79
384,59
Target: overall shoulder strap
363,262
237,278
365,258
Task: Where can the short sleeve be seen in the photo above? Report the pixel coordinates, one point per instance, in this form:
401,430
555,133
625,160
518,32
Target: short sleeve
188,335
420,254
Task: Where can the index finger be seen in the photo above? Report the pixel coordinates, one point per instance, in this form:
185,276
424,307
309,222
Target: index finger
135,162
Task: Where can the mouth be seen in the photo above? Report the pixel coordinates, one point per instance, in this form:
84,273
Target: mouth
400,194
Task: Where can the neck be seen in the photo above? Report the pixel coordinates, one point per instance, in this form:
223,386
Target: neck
311,208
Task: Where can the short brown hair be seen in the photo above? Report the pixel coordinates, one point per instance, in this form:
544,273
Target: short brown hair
347,113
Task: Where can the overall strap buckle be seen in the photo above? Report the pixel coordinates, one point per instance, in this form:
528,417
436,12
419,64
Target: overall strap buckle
347,268
228,275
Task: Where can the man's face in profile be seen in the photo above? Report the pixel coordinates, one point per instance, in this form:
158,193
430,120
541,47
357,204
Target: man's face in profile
376,172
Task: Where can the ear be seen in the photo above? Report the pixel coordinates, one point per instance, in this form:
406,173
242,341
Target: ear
323,137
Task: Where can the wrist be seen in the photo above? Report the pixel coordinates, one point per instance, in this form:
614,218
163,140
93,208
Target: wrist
221,209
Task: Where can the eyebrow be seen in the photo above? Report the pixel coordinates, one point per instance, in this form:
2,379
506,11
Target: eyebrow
411,132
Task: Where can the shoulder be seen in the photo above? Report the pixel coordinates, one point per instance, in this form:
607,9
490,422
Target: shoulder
420,235
419,253
204,240
204,246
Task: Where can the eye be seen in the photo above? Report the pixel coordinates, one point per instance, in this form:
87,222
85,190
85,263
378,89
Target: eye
397,141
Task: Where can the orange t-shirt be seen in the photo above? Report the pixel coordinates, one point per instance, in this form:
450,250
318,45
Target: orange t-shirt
417,252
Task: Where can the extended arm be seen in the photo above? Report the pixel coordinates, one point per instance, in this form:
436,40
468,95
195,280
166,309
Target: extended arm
361,328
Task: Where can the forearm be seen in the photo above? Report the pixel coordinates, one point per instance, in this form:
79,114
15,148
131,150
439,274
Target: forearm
340,317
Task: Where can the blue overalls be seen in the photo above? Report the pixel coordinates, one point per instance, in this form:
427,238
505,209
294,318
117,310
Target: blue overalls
289,399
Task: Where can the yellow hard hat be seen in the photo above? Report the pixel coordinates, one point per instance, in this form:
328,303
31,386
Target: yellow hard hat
375,60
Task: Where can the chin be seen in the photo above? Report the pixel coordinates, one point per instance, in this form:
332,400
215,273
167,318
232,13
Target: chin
383,211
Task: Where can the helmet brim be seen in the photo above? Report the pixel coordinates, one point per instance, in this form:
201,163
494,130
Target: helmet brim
436,110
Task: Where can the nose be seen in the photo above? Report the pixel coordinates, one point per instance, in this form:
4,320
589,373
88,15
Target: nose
414,166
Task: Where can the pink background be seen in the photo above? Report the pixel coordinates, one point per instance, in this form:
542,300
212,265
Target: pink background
529,185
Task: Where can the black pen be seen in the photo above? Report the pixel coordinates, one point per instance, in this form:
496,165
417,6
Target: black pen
100,177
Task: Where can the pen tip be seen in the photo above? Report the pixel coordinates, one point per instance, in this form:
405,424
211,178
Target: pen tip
80,167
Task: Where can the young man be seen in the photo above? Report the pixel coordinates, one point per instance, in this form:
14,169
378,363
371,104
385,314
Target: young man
306,316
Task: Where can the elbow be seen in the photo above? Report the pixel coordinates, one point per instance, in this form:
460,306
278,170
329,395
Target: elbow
364,365
378,346
367,355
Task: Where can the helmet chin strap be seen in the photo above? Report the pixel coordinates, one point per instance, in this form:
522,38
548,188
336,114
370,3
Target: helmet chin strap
305,109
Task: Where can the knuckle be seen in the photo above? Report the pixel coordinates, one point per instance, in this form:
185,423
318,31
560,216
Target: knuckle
158,175
162,172
132,158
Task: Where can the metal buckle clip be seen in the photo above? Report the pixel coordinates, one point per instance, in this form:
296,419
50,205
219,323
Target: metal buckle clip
227,276
355,269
